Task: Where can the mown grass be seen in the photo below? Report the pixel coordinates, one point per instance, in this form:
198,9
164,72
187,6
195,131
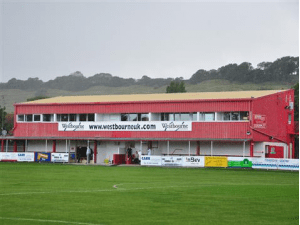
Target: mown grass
32,193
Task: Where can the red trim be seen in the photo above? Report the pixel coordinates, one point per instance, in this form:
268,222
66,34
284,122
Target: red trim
251,148
198,148
95,151
54,146
15,146
2,145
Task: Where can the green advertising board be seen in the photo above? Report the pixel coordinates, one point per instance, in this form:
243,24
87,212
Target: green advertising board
246,163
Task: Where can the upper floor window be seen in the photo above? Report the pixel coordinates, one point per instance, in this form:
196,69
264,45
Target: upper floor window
135,117
36,118
28,118
48,117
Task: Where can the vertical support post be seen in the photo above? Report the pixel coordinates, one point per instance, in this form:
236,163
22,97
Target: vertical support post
198,148
6,145
168,144
15,146
244,148
95,151
189,148
54,146
150,116
69,151
24,146
211,148
46,147
141,146
251,148
66,146
2,145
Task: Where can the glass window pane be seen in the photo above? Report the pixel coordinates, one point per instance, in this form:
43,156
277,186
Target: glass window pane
201,116
226,116
91,117
72,117
244,116
177,116
82,117
124,117
21,118
185,117
37,118
47,117
145,117
133,117
114,117
29,118
64,117
235,116
209,116
194,116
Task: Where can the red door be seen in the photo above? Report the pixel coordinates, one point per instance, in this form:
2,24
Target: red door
274,152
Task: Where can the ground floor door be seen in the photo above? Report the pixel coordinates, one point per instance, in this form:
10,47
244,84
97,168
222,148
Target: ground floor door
275,152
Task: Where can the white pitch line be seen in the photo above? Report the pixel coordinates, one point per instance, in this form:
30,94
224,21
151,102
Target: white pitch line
131,189
48,221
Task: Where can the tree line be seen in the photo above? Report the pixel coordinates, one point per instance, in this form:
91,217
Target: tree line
283,70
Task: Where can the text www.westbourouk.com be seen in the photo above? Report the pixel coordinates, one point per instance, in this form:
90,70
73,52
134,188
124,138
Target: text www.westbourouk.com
123,127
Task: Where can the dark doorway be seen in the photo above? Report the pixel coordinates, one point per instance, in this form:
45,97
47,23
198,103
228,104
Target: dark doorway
81,154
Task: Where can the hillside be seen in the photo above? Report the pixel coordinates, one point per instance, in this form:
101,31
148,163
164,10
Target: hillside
12,96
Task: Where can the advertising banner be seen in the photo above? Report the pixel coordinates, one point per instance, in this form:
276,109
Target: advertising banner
25,157
216,161
280,164
126,126
239,162
9,156
171,161
193,161
151,161
42,156
288,164
59,157
263,163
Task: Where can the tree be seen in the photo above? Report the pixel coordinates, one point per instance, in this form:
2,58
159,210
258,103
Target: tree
6,120
176,87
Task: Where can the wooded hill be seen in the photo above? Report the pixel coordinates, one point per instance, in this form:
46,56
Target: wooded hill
280,74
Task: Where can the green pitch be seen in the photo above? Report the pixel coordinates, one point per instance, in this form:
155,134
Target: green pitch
32,193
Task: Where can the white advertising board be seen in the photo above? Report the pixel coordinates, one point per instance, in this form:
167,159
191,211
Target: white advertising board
262,163
288,164
8,156
59,157
193,161
151,161
171,161
25,157
126,126
280,164
19,156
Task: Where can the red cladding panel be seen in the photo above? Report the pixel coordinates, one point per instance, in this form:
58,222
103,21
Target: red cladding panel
200,130
274,110
137,107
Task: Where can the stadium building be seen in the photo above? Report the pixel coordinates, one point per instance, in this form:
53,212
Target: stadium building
244,123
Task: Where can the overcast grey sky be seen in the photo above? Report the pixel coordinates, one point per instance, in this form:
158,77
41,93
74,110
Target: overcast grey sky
47,39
